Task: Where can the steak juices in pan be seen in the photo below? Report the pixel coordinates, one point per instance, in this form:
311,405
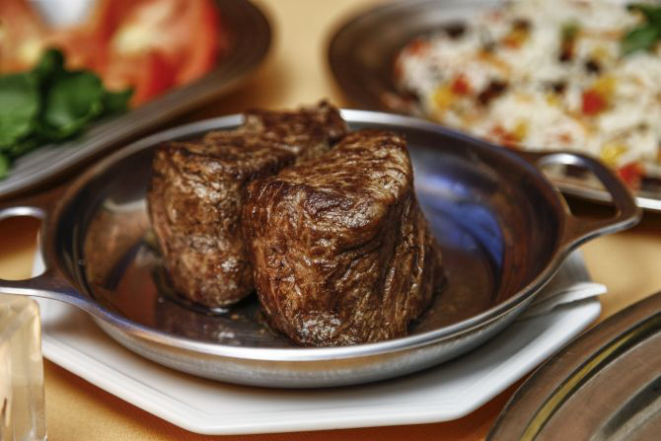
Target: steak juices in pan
322,223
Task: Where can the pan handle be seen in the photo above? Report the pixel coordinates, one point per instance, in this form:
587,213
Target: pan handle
578,230
50,284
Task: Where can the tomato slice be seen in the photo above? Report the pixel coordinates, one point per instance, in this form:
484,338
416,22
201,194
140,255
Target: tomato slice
184,32
149,74
108,16
22,35
206,41
86,44
80,49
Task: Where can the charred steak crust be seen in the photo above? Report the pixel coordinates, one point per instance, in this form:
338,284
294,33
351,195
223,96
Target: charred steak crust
306,132
322,124
196,195
341,251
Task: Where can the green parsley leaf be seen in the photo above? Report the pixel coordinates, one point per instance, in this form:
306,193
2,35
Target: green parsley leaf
23,146
640,39
50,104
72,101
116,102
51,63
4,166
650,12
644,36
19,95
569,30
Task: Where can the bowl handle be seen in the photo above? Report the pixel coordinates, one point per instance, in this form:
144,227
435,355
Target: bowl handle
50,284
578,230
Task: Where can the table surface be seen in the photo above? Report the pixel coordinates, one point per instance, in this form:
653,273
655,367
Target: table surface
295,73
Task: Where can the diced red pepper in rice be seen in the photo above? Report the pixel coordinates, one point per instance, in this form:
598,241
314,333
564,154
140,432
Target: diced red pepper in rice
418,46
631,174
593,103
461,86
504,137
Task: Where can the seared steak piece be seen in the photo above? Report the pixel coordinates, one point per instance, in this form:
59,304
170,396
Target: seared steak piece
301,130
306,132
196,195
340,248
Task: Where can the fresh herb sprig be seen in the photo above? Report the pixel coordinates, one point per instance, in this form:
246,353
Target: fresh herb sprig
50,104
644,36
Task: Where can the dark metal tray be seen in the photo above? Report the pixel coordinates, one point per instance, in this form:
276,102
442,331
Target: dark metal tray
606,385
249,37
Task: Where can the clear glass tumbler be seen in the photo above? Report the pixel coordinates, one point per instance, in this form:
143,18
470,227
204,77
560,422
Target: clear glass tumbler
22,414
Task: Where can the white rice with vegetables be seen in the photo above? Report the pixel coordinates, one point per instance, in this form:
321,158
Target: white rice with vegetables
548,74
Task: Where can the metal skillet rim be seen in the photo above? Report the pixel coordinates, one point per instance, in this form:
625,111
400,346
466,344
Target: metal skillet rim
299,354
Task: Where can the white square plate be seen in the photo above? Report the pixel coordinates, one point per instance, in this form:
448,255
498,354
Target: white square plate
449,391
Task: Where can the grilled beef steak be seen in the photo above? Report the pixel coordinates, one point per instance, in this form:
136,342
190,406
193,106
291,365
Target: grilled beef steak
340,248
196,195
306,132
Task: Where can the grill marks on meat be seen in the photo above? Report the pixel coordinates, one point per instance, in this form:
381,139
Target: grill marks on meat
341,251
196,195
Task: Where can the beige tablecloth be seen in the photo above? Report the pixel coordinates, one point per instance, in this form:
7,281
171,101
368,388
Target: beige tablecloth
296,72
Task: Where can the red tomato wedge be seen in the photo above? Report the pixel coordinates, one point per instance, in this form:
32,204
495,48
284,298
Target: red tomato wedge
86,44
21,36
82,51
149,75
108,16
205,39
184,33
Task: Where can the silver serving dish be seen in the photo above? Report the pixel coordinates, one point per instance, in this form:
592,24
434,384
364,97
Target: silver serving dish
603,386
361,55
503,228
249,37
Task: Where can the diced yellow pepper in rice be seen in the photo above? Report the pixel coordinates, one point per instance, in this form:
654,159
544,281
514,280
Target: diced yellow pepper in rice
600,53
444,97
520,130
552,99
605,86
612,152
516,38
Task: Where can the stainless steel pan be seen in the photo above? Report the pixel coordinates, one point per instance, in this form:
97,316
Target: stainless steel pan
504,230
